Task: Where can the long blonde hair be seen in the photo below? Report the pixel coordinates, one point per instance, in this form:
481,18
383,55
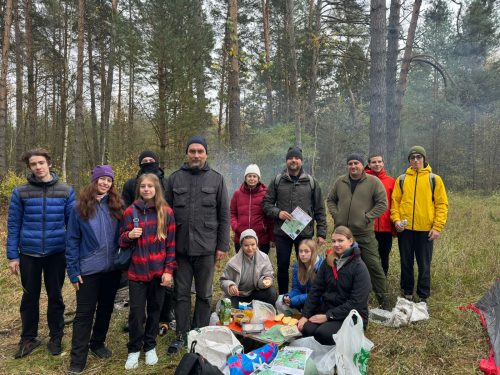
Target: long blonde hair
307,270
159,201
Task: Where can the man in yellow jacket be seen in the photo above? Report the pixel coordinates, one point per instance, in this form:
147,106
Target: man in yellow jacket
419,211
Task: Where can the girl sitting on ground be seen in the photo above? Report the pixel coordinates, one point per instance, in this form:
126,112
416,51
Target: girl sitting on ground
342,284
151,268
303,275
249,274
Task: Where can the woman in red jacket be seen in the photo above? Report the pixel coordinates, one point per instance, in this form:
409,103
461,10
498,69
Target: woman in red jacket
246,212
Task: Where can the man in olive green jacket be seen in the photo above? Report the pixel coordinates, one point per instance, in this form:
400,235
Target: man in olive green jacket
355,201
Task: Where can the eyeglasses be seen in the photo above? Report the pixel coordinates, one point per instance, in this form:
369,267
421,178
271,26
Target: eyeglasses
416,157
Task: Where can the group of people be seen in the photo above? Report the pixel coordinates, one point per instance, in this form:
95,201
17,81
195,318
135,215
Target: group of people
179,229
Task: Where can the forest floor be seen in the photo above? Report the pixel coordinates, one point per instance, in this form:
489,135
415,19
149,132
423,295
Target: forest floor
466,262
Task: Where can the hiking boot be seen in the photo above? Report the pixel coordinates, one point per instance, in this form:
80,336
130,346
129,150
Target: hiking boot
422,299
75,370
54,346
26,347
383,301
101,352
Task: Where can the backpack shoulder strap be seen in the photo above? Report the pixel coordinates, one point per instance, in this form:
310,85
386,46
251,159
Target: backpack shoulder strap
432,181
402,181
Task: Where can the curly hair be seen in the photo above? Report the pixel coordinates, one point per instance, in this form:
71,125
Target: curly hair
86,202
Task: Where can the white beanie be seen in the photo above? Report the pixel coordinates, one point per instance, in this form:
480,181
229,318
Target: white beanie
253,168
248,233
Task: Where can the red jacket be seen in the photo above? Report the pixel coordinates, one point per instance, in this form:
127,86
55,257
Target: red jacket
246,213
384,223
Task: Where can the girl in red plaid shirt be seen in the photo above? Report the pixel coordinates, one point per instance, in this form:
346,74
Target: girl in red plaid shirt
151,267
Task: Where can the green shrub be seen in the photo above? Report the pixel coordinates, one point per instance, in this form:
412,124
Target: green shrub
7,185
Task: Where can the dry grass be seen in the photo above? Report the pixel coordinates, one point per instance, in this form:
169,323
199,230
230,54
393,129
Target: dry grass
466,261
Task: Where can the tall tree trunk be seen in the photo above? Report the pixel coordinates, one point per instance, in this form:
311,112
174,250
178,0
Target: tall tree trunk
64,95
293,115
234,77
93,114
3,83
119,116
392,132
79,121
20,133
109,82
222,85
131,75
267,60
405,65
378,56
31,120
162,107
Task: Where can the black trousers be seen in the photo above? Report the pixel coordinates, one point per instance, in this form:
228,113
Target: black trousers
95,296
53,268
145,301
322,332
201,268
415,245
384,240
284,246
265,295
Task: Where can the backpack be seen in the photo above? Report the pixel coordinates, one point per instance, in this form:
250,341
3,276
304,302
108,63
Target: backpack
432,181
195,364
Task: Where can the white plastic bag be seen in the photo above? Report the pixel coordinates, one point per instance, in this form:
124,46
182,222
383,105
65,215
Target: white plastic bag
323,356
216,344
262,311
353,348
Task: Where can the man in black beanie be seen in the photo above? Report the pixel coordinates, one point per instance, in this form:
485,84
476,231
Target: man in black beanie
355,200
288,190
199,198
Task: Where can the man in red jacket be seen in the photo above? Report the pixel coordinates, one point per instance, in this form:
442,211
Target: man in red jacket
383,227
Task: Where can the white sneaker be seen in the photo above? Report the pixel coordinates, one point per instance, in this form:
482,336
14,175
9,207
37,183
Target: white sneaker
132,361
151,357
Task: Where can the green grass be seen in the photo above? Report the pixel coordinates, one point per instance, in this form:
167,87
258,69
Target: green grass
465,264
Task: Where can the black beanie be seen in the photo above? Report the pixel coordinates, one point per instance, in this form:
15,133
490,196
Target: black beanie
294,151
357,157
197,139
148,154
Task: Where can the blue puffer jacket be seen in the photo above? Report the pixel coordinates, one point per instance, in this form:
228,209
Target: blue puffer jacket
38,214
91,244
298,294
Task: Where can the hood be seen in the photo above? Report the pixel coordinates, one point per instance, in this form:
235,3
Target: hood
380,174
159,173
185,167
33,181
426,169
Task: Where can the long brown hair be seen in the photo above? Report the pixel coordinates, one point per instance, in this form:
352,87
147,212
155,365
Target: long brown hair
87,202
159,201
307,270
344,231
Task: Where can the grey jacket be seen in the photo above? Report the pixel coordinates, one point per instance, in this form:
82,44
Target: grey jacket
232,271
357,211
288,195
201,207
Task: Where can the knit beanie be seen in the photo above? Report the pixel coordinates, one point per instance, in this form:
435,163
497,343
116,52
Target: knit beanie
417,150
357,157
102,171
148,154
253,168
248,233
197,139
294,151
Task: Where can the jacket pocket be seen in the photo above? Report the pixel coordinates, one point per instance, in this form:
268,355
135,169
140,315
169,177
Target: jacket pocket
180,197
208,196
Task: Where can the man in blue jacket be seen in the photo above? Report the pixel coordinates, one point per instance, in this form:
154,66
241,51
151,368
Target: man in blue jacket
38,213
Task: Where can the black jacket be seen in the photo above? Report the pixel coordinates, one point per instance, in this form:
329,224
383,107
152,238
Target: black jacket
288,195
201,207
337,295
129,188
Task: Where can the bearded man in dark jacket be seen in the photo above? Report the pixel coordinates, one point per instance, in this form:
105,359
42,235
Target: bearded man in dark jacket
199,198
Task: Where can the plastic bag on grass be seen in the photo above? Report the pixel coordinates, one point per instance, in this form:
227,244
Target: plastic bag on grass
323,356
216,344
353,348
262,311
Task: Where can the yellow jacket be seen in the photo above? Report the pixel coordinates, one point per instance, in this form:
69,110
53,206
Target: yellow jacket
415,203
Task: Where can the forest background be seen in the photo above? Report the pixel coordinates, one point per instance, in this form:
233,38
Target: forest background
99,81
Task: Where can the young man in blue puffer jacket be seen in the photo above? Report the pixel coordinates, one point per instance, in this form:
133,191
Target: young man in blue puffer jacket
36,241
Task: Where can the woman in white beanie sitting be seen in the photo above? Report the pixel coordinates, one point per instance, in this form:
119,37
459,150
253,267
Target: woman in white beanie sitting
246,212
249,274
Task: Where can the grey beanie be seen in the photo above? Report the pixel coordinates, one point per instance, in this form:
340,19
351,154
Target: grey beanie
248,233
